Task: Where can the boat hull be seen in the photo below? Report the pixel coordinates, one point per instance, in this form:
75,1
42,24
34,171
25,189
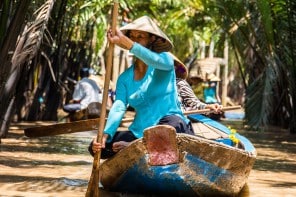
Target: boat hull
205,168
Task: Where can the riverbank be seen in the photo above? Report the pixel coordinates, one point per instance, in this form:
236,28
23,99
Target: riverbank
61,166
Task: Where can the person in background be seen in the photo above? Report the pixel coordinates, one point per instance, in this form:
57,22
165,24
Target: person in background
100,80
148,86
86,91
188,99
210,89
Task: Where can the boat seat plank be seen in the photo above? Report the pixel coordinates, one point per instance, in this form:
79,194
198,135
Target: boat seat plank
207,132
210,122
208,128
161,145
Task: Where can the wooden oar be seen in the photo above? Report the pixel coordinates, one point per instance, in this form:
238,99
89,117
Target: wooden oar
65,128
93,184
202,111
90,125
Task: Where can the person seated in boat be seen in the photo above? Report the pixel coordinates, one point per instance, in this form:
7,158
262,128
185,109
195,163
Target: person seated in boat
210,88
86,91
99,79
187,98
148,86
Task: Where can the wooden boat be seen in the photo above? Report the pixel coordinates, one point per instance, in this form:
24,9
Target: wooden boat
92,111
164,163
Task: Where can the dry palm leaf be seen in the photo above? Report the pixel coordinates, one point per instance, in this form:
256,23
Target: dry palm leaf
32,36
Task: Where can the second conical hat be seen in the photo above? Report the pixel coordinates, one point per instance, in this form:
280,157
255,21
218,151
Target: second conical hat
180,68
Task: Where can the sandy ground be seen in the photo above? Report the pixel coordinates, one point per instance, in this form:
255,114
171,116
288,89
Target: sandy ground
61,166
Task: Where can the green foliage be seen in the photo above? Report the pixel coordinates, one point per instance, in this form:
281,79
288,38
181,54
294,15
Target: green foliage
261,33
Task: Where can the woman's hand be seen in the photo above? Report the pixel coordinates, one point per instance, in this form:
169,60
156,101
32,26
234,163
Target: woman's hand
215,107
119,39
97,146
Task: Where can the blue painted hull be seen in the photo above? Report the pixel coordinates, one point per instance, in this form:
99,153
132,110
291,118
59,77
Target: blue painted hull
172,180
153,180
207,168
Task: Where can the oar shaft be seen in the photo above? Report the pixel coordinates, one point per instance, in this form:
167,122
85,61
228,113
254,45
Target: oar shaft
201,111
93,190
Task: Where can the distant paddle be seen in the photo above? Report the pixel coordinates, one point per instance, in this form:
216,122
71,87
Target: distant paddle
91,124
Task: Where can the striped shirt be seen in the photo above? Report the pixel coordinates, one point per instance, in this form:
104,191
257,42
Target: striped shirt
187,97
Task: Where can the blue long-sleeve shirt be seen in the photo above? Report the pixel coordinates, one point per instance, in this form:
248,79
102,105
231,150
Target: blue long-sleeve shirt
153,97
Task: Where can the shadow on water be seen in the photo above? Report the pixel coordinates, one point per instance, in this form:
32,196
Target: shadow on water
32,165
65,144
44,184
25,164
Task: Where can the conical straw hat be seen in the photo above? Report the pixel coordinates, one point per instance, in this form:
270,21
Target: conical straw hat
212,77
180,68
146,24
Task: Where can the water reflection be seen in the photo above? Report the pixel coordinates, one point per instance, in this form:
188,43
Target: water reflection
73,182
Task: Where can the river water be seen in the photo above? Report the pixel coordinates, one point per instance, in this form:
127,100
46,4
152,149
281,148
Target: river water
61,166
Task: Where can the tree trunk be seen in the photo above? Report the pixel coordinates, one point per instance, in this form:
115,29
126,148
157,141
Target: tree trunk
9,41
5,122
7,86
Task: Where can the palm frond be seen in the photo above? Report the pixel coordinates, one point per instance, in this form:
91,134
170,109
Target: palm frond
266,19
31,38
261,96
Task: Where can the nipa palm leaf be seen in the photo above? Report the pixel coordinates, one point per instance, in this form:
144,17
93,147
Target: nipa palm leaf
31,38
